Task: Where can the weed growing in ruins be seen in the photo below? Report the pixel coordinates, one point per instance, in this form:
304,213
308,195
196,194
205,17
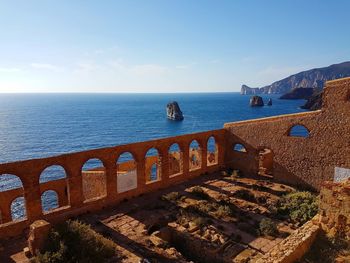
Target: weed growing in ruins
171,197
199,221
245,195
199,192
74,241
224,211
236,174
298,206
268,227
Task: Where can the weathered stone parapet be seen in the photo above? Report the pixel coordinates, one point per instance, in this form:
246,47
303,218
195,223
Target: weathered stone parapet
295,246
93,189
335,208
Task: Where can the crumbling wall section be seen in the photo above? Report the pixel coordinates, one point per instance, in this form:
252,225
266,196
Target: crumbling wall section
295,246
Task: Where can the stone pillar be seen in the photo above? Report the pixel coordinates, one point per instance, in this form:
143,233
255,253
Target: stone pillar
221,148
164,160
75,189
111,180
141,175
32,198
185,158
204,154
38,233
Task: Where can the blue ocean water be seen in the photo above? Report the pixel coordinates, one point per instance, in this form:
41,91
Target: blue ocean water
41,125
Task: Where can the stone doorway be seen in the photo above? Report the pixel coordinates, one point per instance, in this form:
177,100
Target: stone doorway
266,162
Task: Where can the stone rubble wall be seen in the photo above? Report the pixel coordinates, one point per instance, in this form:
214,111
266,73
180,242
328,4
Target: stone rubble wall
295,246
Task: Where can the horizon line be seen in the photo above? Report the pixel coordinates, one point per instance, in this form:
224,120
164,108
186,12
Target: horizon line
93,92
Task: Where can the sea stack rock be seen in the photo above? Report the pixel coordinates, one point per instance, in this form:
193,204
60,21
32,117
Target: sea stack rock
256,101
269,103
173,111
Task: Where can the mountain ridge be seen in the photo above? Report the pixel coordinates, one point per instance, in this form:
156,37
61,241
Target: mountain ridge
312,78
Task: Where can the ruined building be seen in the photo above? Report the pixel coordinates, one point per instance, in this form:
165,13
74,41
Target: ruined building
264,146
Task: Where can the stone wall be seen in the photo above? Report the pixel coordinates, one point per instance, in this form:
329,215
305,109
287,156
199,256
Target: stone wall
297,160
335,208
295,246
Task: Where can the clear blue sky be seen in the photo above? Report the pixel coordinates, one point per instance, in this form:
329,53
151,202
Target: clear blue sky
166,46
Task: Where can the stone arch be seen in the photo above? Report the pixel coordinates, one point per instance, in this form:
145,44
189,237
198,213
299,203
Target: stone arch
52,173
212,151
10,182
195,155
49,200
175,160
126,172
237,147
18,209
54,176
14,206
299,130
93,174
153,165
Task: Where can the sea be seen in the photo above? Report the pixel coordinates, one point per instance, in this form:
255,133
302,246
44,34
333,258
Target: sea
42,125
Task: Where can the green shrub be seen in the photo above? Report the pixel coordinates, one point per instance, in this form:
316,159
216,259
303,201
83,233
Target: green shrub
74,241
236,173
223,211
298,206
268,227
245,195
199,192
199,221
172,197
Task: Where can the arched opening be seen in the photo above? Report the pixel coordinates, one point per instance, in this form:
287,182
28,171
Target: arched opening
299,131
212,153
18,209
265,162
49,200
175,160
153,166
10,182
195,155
55,177
239,148
126,172
52,173
94,180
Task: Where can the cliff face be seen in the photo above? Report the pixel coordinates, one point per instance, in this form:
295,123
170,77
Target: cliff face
245,90
314,78
314,102
298,93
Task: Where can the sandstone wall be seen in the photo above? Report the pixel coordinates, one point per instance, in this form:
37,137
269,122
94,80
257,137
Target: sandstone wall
335,208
